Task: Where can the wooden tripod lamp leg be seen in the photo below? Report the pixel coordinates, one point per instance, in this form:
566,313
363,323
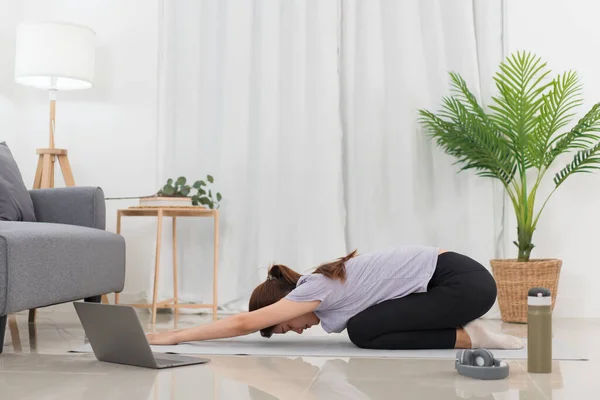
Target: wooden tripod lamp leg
53,159
46,171
65,166
37,181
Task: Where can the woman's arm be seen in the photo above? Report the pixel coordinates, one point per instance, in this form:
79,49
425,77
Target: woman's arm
238,325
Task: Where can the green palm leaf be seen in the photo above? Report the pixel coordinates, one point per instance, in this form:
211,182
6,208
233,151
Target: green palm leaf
521,88
463,94
585,161
582,136
520,131
555,113
463,135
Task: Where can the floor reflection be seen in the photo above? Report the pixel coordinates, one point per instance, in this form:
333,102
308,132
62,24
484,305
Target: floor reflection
13,328
277,377
15,336
37,376
361,379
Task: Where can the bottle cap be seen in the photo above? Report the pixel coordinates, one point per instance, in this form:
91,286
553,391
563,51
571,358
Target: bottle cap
539,296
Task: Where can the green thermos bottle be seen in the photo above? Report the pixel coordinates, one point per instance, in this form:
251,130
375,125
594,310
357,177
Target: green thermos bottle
539,331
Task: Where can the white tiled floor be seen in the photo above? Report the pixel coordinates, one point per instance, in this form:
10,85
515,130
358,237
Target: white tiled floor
47,371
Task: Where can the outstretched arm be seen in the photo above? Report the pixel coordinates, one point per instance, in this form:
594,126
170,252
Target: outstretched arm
237,325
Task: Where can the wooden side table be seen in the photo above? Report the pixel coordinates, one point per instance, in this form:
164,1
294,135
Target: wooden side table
174,212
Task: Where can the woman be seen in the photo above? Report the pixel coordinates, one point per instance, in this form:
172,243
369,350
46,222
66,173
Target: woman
408,297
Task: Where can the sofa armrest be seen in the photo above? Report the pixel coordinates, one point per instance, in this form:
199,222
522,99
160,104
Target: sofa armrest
82,206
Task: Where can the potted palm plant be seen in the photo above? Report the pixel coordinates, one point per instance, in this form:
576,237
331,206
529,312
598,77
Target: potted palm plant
516,140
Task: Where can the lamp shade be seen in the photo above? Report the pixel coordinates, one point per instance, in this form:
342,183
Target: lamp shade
56,56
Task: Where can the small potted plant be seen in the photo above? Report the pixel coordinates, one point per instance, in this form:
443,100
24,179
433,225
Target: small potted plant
178,193
197,194
516,141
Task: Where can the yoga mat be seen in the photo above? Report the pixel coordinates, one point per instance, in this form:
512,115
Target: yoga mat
330,346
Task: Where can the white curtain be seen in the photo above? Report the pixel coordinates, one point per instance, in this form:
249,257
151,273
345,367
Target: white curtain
399,187
305,112
250,94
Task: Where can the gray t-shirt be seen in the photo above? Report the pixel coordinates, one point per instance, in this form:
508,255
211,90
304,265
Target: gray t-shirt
371,278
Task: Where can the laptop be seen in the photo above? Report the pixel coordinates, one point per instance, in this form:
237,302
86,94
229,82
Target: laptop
116,336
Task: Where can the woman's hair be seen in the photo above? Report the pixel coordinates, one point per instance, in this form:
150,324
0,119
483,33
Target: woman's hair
281,280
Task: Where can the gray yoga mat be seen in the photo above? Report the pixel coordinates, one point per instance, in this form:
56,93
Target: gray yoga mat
330,346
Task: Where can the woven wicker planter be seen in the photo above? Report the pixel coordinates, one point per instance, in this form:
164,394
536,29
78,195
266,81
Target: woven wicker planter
515,278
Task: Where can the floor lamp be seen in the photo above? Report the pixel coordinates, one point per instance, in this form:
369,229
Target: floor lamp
54,57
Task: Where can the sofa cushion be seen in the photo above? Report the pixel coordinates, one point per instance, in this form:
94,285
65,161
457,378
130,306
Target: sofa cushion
15,202
43,264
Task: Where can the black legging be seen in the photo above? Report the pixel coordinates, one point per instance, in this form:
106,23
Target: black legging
460,290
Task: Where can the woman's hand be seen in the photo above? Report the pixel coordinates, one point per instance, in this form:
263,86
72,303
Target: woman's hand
162,338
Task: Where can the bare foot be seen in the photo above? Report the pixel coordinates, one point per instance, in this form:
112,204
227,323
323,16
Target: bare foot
483,338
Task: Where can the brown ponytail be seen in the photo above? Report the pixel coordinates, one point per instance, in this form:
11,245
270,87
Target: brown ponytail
284,274
336,269
281,280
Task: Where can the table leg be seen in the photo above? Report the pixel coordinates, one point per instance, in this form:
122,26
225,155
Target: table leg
118,233
175,277
216,264
157,264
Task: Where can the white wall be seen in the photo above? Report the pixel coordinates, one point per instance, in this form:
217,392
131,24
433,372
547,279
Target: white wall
565,34
109,130
11,11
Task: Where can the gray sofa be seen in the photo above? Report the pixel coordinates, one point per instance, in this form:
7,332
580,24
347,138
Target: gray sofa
65,256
